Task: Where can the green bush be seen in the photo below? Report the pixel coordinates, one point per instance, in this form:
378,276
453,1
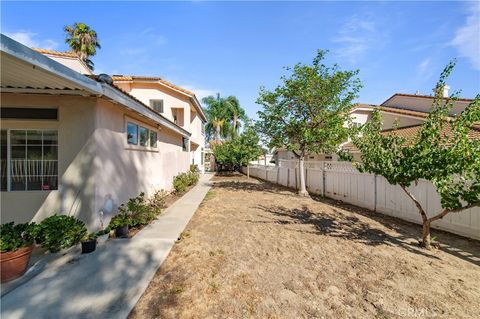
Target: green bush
120,220
59,231
184,180
13,237
180,183
136,212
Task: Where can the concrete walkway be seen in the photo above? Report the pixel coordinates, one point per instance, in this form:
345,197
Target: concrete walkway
108,282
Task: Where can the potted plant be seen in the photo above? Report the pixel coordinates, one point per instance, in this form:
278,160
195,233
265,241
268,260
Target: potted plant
89,243
120,223
16,245
102,235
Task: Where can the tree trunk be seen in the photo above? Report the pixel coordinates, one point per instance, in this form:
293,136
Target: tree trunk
302,191
425,221
235,124
217,133
426,234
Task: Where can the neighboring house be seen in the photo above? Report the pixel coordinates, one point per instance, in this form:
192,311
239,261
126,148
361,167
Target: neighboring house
69,59
407,110
79,145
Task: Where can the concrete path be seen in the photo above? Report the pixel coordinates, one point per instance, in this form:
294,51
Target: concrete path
108,282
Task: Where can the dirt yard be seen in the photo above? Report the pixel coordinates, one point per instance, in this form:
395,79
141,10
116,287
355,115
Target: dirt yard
255,250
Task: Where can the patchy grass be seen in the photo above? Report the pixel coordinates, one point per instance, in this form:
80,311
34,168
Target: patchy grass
261,251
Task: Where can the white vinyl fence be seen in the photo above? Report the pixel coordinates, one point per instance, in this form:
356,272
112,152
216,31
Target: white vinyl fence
341,181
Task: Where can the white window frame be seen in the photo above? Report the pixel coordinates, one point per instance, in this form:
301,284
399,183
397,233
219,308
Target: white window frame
138,147
9,158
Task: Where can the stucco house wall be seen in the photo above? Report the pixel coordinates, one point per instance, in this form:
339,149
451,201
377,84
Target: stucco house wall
123,171
97,169
76,149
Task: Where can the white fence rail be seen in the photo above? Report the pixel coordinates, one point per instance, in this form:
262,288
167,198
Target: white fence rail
341,181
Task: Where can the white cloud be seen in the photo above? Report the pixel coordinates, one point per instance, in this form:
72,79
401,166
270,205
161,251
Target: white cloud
199,93
30,40
357,36
467,37
425,69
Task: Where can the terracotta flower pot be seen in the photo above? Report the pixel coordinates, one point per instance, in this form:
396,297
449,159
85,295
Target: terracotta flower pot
14,263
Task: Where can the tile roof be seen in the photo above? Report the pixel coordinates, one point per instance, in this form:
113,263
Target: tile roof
132,78
409,132
422,96
57,53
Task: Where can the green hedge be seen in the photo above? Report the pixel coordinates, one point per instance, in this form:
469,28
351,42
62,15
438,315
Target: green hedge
182,181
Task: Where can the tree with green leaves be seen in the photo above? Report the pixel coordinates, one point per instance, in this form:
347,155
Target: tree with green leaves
240,150
223,117
83,41
306,114
235,113
216,117
442,152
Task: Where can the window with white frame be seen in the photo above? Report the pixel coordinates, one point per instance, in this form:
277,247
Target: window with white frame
141,137
29,160
157,105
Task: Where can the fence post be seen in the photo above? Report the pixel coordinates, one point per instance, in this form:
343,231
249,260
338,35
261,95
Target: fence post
288,176
323,179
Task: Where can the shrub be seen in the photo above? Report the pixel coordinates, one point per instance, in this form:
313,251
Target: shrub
119,220
184,180
157,201
137,211
90,236
59,231
13,237
180,183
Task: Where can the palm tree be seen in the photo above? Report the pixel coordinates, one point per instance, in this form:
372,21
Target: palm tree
216,117
235,112
83,41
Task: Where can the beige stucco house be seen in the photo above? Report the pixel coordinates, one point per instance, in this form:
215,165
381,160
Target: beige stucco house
79,144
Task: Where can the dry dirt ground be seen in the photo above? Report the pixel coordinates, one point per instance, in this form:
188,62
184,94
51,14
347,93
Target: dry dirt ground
256,250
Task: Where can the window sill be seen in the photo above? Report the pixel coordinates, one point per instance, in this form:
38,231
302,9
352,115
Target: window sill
141,149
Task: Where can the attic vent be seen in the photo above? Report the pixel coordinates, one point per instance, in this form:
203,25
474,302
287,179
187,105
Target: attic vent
105,78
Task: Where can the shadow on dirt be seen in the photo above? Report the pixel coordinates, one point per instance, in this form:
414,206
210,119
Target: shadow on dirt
349,227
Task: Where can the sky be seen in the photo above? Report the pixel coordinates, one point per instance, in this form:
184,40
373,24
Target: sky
234,48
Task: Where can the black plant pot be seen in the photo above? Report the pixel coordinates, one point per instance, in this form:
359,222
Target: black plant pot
122,232
89,246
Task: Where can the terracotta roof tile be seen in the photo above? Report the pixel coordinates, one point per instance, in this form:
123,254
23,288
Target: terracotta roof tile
409,132
57,53
132,78
422,96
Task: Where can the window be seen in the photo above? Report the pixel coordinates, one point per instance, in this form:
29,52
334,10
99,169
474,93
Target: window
185,142
29,160
203,128
132,133
140,136
144,135
202,155
157,105
153,139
